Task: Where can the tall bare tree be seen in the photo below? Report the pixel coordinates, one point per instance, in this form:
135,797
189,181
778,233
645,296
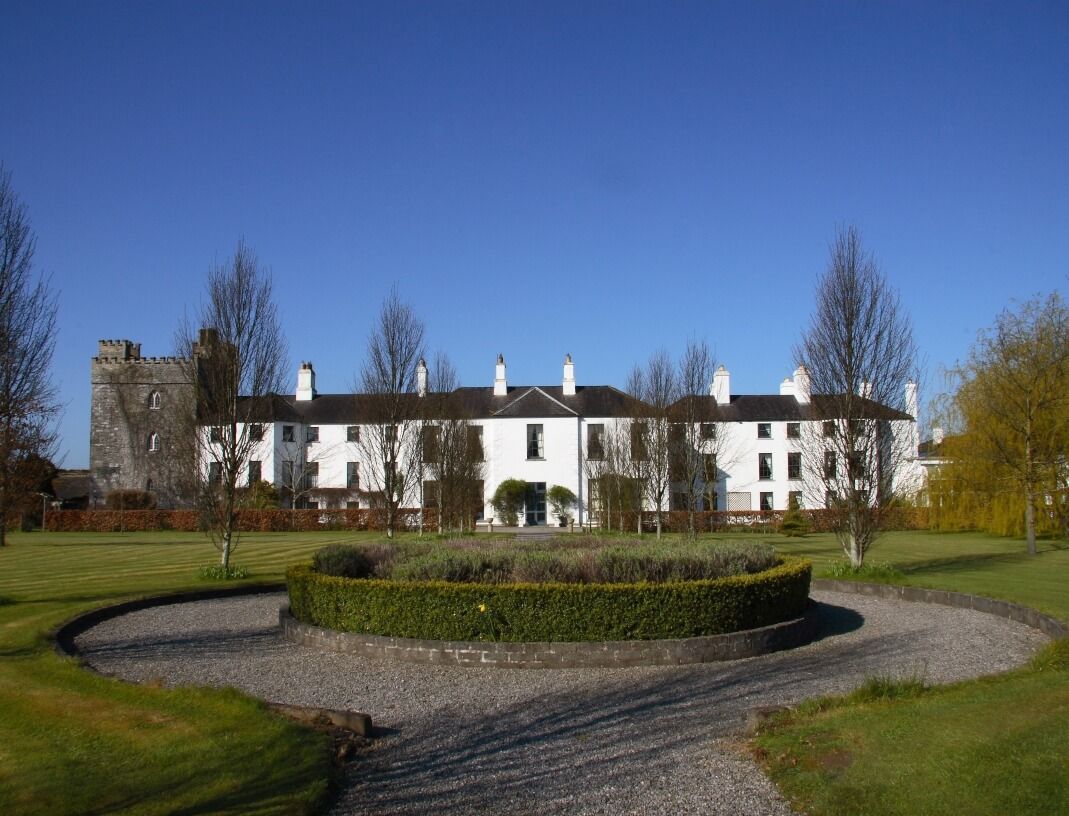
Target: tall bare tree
391,440
859,354
237,360
607,465
28,404
694,438
657,385
452,450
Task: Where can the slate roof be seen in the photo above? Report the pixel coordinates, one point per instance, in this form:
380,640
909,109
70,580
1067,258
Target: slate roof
532,402
785,408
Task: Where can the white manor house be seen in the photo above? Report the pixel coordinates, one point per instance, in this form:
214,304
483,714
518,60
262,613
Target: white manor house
760,446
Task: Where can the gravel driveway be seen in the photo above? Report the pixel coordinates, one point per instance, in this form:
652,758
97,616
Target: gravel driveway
653,740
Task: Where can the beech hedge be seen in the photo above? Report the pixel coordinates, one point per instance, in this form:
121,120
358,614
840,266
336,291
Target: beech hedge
763,521
440,610
249,521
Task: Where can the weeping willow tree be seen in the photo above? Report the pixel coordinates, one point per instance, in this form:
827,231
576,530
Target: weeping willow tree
1006,468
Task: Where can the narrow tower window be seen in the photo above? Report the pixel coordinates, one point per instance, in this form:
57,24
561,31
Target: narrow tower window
153,441
154,400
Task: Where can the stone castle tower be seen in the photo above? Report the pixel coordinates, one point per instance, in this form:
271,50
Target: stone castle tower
140,409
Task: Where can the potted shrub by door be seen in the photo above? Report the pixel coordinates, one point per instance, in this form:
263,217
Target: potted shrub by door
561,499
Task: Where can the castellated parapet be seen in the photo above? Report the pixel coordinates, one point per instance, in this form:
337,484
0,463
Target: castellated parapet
139,406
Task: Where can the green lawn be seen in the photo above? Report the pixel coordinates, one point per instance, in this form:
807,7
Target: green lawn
73,742
997,745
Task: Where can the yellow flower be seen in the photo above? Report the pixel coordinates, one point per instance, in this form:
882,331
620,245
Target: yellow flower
482,607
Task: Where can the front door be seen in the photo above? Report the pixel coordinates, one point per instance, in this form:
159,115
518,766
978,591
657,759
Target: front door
535,503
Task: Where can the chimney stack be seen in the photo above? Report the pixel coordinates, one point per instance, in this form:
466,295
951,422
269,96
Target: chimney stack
421,377
865,389
721,388
786,388
912,404
801,385
500,386
569,376
306,383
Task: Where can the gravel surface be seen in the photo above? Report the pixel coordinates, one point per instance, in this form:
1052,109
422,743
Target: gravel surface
579,741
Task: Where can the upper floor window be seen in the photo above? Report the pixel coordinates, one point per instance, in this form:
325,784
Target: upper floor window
256,432
287,433
310,481
255,471
708,430
153,441
215,472
535,448
794,466
830,465
764,430
431,442
709,462
215,433
352,475
311,433
829,427
639,449
352,433
794,430
475,443
764,466
595,435
154,400
858,465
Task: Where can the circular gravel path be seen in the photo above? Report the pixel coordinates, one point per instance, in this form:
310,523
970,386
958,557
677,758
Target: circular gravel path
578,741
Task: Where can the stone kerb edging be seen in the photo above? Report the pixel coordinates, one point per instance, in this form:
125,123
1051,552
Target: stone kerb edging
559,655
1050,626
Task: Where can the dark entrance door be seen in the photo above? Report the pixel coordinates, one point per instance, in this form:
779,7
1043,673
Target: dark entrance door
535,503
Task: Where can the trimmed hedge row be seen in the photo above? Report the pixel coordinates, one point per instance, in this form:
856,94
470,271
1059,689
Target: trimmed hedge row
764,521
439,610
249,521
282,521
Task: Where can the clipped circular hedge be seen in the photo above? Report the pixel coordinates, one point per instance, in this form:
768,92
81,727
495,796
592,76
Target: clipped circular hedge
440,610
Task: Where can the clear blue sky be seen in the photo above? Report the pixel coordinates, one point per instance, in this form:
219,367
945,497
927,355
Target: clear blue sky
537,178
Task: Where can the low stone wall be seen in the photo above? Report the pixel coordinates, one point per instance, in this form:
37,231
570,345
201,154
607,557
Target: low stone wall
1050,626
605,654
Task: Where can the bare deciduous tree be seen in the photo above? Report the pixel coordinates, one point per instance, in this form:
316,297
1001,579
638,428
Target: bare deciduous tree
28,405
391,440
451,449
695,441
859,354
237,361
607,465
657,386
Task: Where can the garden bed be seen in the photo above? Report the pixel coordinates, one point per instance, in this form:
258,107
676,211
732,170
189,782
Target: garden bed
499,608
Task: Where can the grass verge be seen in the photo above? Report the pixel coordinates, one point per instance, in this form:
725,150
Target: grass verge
990,746
74,742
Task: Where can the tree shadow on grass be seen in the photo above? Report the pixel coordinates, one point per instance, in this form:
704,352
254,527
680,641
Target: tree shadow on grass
964,563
